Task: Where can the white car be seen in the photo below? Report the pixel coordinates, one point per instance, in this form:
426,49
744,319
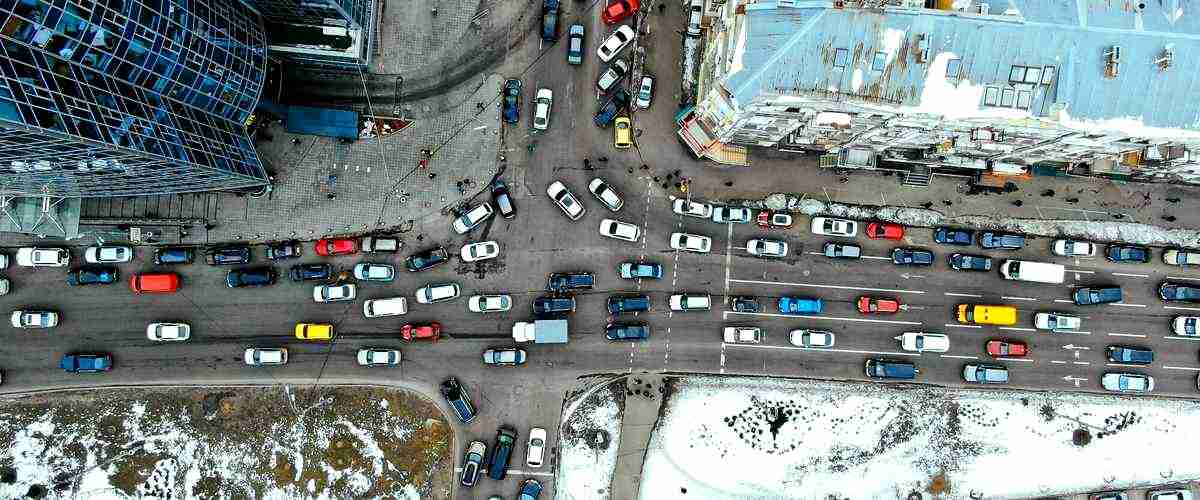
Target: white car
811,338
1170,494
535,449
3,261
542,103
34,319
695,16
620,230
736,215
834,227
923,342
606,194
690,302
1177,257
482,250
266,356
168,332
489,303
108,254
565,200
378,357
692,208
370,271
437,292
43,257
618,40
612,75
1186,326
645,92
1056,321
691,242
4,286
472,218
767,248
391,306
1072,248
743,335
1127,382
335,293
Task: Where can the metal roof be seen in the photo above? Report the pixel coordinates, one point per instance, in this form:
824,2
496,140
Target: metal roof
808,48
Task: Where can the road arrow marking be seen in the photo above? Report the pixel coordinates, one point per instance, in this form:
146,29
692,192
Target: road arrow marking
1073,346
1077,380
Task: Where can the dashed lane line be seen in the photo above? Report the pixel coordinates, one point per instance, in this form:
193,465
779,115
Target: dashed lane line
830,318
1032,299
1122,304
956,294
1057,362
1134,335
1182,278
1023,360
957,357
722,357
1124,365
1181,308
728,261
1173,337
1064,301
819,285
1081,271
1131,275
1084,363
1187,368
1017,328
956,325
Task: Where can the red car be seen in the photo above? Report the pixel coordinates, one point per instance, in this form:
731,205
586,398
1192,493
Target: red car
336,246
1006,349
421,331
885,231
619,10
877,305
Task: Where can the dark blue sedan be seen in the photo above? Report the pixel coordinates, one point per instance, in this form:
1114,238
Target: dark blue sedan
86,363
530,490
1127,253
93,275
949,236
511,106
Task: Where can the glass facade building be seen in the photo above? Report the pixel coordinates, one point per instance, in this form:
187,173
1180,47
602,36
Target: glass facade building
128,97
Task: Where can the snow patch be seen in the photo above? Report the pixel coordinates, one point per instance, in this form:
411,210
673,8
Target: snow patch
892,39
588,442
958,100
856,80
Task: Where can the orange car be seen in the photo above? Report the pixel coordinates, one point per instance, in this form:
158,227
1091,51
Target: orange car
421,331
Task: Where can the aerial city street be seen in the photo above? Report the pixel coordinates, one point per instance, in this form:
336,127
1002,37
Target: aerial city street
600,249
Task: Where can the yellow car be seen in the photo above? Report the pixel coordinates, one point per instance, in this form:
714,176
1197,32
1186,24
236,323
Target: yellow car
314,331
622,133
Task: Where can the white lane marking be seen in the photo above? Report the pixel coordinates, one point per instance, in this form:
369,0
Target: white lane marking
831,318
728,261
1181,278
1172,337
722,357
1126,365
1064,301
861,256
1080,271
1135,335
1005,297
850,351
817,285
957,357
1131,275
1122,304
1057,362
1023,360
1081,332
1085,363
1188,368
956,325
1180,308
955,294
1017,329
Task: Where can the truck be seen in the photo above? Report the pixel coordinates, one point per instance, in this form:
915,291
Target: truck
1036,272
542,331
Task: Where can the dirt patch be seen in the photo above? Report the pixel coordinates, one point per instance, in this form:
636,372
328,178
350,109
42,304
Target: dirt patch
244,443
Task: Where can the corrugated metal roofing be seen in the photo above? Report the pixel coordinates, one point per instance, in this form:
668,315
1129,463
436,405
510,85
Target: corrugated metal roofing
870,55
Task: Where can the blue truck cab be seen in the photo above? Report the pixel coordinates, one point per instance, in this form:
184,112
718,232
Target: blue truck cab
891,369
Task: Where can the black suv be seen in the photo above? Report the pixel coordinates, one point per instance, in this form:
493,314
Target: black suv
1001,241
1176,292
228,256
912,257
459,400
968,262
426,259
577,280
1085,296
283,250
1129,354
254,276
553,306
310,272
628,303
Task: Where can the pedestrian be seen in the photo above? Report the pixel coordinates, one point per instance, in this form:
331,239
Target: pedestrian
587,163
662,7
728,183
432,175
647,167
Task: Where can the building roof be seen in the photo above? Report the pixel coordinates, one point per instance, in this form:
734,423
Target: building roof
1036,58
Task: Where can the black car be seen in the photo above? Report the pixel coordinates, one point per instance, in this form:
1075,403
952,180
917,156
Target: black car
1001,241
1096,295
1129,354
174,255
503,200
951,236
553,306
283,250
502,450
578,280
228,256
968,262
510,104
250,277
904,256
745,304
93,275
310,272
628,303
458,399
549,20
1173,292
1127,253
627,331
426,259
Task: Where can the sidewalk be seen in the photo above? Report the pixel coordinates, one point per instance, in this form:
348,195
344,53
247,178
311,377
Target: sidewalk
643,401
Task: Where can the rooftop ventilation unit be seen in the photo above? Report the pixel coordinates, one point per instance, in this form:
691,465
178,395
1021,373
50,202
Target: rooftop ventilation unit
1112,65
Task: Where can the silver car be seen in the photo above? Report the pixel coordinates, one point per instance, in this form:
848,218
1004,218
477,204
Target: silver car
762,247
506,356
437,292
736,215
370,271
334,293
606,194
168,332
811,338
1127,382
34,319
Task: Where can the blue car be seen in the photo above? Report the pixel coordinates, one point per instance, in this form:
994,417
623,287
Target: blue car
530,490
634,270
800,305
93,275
86,363
950,236
511,107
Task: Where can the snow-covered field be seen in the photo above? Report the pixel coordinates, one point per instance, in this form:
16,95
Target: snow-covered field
236,444
588,444
735,437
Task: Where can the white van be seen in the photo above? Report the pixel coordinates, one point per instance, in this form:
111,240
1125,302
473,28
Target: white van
924,342
376,308
690,302
1037,272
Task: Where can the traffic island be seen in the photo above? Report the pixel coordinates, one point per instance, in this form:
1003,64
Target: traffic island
270,442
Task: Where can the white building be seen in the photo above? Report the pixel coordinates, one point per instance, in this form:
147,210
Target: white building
993,88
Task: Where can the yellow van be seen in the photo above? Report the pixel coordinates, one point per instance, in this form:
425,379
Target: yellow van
987,315
314,331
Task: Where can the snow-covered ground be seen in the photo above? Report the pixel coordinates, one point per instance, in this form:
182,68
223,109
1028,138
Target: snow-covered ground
588,444
743,437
